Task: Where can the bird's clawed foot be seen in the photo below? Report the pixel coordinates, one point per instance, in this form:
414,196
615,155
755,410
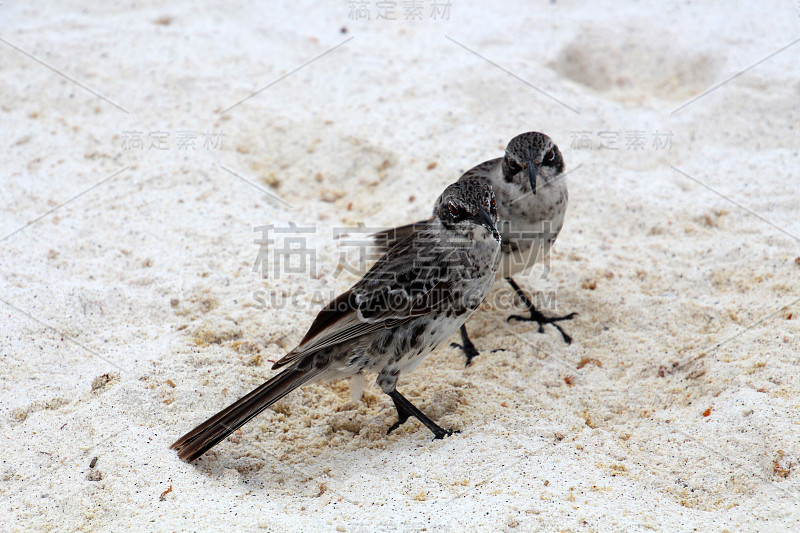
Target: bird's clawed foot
538,317
466,346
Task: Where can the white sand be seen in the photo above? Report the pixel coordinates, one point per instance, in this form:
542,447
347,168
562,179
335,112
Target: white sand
147,277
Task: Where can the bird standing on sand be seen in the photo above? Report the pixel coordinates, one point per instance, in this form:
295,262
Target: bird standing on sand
413,299
531,191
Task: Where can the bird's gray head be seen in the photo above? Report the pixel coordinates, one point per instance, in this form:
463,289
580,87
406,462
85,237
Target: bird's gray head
467,205
530,156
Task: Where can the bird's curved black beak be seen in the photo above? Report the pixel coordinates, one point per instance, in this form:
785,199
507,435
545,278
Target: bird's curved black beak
484,219
533,168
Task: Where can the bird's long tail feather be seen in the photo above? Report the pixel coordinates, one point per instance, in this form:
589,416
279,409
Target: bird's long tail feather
208,434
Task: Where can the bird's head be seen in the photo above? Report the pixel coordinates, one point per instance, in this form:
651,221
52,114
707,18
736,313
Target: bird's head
469,208
532,159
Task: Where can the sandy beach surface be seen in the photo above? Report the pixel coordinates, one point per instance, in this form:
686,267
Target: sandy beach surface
145,143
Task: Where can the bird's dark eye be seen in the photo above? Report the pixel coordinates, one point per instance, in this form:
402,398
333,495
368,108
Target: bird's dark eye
454,210
549,157
513,166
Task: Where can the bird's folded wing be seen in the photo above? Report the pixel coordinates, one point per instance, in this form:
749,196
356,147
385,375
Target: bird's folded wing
481,170
394,291
384,240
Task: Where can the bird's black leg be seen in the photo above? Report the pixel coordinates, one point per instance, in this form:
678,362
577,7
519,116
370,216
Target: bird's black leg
406,409
466,345
402,415
538,316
